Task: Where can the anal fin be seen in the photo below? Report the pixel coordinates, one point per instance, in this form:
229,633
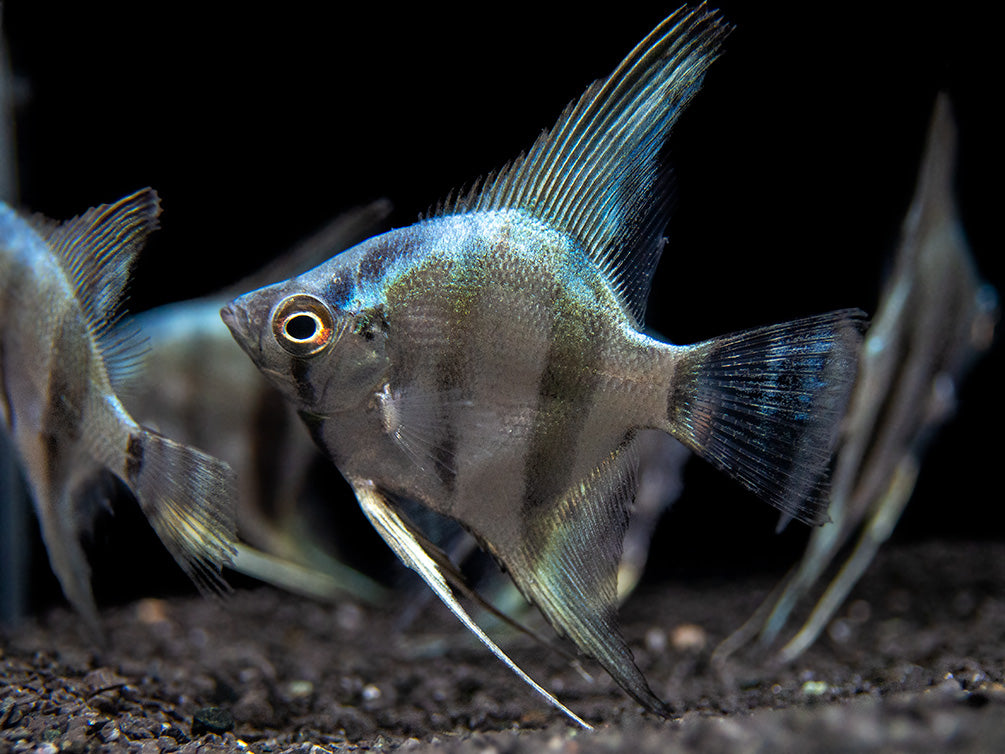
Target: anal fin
407,547
568,566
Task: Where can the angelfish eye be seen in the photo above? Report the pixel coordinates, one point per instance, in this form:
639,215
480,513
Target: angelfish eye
303,325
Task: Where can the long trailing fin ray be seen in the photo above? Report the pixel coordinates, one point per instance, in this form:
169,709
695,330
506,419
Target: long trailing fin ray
765,405
64,523
402,541
596,174
325,586
459,583
568,566
188,498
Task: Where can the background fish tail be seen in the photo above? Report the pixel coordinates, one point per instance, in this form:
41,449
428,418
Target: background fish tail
186,495
766,405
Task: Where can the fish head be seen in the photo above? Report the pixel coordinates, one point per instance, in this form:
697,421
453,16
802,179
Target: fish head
323,349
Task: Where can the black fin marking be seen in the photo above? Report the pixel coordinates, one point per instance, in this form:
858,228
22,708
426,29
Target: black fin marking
765,405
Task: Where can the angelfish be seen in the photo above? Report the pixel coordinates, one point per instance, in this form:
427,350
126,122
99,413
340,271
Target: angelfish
195,385
489,361
61,360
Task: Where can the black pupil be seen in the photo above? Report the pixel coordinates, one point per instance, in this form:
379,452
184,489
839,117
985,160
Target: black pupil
301,326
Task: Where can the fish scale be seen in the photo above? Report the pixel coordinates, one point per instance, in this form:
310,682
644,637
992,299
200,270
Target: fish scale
510,375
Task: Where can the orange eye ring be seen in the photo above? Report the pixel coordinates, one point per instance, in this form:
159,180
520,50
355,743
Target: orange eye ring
303,325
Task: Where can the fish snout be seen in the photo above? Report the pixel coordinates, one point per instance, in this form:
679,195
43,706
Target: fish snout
237,320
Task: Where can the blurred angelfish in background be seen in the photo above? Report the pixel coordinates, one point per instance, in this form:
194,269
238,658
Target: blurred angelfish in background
935,318
14,504
61,361
195,384
489,362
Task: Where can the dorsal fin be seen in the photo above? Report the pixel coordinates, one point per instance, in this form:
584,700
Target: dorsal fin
596,174
97,251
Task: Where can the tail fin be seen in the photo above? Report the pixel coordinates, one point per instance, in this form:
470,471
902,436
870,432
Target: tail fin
189,499
765,405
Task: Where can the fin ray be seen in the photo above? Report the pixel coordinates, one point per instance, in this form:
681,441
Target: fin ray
409,550
415,419
765,405
97,251
187,496
596,174
568,566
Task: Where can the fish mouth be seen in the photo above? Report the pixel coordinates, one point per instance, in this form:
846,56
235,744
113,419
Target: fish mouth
235,317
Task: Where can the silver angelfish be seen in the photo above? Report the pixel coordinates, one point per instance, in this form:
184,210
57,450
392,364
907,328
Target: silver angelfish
935,318
490,363
60,361
196,385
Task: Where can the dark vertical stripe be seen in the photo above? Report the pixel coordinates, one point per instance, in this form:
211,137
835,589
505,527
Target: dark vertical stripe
451,371
300,370
382,252
565,397
134,457
439,289
338,291
67,396
270,433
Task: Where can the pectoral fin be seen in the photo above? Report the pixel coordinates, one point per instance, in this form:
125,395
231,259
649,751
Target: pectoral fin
407,547
420,422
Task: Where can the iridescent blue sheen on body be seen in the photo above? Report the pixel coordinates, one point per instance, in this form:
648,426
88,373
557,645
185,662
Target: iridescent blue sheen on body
491,364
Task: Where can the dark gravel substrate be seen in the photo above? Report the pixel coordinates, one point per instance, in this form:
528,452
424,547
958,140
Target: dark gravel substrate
914,664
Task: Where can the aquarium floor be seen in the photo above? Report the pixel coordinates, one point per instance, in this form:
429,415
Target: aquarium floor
914,663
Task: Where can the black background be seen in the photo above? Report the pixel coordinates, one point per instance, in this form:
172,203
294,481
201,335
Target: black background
794,166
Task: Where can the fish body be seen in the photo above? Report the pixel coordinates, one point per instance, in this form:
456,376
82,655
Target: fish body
60,286
490,362
935,318
194,384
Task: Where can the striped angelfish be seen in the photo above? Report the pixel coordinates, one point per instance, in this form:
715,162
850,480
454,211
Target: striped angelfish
489,362
935,317
60,362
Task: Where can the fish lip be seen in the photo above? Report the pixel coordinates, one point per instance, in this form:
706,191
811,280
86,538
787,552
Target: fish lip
228,313
235,317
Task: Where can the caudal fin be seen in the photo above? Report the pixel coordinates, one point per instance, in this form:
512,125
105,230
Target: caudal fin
765,405
189,499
